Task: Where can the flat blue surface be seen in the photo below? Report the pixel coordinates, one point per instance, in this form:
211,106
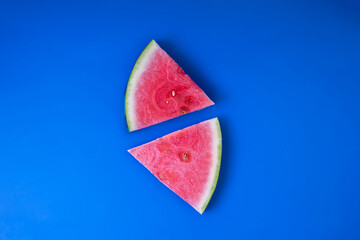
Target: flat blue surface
285,78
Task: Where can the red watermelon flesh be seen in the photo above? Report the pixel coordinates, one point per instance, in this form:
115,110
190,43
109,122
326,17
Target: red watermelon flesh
158,90
186,161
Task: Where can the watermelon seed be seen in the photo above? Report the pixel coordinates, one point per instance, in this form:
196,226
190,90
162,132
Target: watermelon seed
185,157
167,102
173,93
184,109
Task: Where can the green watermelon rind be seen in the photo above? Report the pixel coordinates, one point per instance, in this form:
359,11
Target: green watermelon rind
139,64
218,163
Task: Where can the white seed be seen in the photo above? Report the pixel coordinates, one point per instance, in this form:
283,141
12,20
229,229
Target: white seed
173,93
167,101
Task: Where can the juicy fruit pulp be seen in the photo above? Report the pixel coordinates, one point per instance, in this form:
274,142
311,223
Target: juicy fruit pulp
186,161
158,90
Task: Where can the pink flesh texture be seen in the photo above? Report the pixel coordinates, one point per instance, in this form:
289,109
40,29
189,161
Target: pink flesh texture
186,175
164,91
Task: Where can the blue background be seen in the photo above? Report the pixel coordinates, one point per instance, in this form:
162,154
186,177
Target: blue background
286,82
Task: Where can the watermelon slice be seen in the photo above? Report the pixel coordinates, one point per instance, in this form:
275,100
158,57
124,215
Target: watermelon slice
158,90
186,161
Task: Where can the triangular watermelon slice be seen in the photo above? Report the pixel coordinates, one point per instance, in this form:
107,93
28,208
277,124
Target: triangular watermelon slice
186,161
158,90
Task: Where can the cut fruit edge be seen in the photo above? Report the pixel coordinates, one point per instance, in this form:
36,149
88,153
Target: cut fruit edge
139,68
214,175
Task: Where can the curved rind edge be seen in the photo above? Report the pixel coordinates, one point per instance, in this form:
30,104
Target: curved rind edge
130,84
213,186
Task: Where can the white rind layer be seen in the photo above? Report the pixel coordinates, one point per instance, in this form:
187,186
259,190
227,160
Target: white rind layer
214,172
139,68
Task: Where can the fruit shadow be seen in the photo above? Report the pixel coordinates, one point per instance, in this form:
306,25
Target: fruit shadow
224,173
197,75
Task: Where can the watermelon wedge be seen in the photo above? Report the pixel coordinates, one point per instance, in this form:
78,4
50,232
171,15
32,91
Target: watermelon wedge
186,161
158,90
